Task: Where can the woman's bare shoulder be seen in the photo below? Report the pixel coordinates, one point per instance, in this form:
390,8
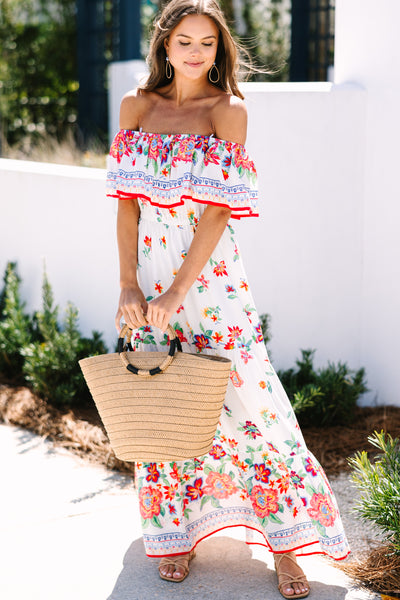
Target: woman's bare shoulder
133,105
229,116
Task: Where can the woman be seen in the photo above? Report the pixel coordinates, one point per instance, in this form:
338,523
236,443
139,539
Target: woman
180,171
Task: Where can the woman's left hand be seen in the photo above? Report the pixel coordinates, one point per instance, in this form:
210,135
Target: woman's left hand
161,309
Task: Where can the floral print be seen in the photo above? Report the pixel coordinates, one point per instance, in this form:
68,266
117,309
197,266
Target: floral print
150,502
264,501
166,170
259,473
322,509
219,485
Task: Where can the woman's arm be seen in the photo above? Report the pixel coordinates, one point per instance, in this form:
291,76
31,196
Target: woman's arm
132,303
230,123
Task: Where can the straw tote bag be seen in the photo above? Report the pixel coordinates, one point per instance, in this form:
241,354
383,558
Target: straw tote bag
157,406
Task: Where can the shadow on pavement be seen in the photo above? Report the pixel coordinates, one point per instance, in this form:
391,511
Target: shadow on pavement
222,569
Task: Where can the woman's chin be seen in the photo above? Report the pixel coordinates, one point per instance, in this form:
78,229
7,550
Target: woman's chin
193,73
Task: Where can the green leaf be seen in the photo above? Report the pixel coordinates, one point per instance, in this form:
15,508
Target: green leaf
215,502
156,521
309,489
272,517
320,528
204,500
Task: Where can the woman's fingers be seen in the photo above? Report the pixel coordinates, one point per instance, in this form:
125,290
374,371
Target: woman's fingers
141,316
133,315
158,317
132,307
161,309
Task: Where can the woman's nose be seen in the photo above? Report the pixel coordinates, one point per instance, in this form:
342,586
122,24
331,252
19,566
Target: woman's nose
195,49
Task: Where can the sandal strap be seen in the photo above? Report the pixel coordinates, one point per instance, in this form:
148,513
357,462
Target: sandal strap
279,557
292,580
181,562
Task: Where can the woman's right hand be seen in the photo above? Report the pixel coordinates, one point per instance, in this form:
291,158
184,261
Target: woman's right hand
132,307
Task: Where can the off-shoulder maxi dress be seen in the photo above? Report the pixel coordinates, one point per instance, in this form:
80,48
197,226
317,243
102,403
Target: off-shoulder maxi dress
259,473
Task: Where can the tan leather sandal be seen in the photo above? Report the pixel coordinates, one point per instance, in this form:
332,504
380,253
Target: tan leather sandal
288,578
181,562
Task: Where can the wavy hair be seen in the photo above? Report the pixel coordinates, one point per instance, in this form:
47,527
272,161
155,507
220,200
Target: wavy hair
230,58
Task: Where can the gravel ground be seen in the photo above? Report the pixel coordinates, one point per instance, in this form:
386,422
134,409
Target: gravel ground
359,533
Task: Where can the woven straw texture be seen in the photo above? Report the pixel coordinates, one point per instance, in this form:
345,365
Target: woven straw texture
172,415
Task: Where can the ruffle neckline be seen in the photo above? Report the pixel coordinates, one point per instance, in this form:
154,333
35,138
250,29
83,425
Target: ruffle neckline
168,169
210,136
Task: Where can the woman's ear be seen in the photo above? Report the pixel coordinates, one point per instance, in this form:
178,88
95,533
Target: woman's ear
166,44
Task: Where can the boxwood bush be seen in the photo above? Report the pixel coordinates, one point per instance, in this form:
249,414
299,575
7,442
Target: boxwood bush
320,397
41,351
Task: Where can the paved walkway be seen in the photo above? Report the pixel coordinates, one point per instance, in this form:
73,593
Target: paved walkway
70,531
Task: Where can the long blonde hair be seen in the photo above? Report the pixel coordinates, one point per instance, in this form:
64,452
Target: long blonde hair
230,55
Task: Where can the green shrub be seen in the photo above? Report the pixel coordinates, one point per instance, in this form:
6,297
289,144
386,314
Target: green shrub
16,327
324,396
51,362
379,485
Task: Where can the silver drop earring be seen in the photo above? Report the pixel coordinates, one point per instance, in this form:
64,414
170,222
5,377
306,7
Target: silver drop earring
210,71
168,69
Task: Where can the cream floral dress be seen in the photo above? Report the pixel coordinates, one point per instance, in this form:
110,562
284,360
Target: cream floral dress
259,473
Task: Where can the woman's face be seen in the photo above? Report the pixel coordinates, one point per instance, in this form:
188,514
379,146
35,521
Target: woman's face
192,46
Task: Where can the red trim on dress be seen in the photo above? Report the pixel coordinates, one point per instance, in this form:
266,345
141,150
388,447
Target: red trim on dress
266,545
127,196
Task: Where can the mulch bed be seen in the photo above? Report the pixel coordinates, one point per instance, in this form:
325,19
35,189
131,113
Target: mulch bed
81,430
333,445
379,571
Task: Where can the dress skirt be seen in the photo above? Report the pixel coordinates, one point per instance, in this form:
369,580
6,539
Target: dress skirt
259,473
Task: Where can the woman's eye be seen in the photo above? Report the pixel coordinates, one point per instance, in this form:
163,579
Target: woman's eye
184,43
207,44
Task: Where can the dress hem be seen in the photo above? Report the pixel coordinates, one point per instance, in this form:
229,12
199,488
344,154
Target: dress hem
266,545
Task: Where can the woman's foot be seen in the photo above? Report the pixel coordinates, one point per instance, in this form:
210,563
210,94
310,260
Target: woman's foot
292,583
175,568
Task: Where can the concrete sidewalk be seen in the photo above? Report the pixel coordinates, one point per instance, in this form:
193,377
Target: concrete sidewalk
71,531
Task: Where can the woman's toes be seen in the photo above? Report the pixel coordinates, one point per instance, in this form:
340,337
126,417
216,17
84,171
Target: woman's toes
294,589
177,573
297,588
289,591
167,570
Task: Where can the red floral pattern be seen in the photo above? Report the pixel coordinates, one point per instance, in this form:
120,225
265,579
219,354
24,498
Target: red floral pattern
150,502
219,485
264,501
322,509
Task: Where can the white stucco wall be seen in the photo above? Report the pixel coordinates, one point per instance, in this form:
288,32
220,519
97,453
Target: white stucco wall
367,51
122,77
304,254
58,214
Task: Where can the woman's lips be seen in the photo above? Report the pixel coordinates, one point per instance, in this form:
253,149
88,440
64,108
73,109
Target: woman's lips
194,64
